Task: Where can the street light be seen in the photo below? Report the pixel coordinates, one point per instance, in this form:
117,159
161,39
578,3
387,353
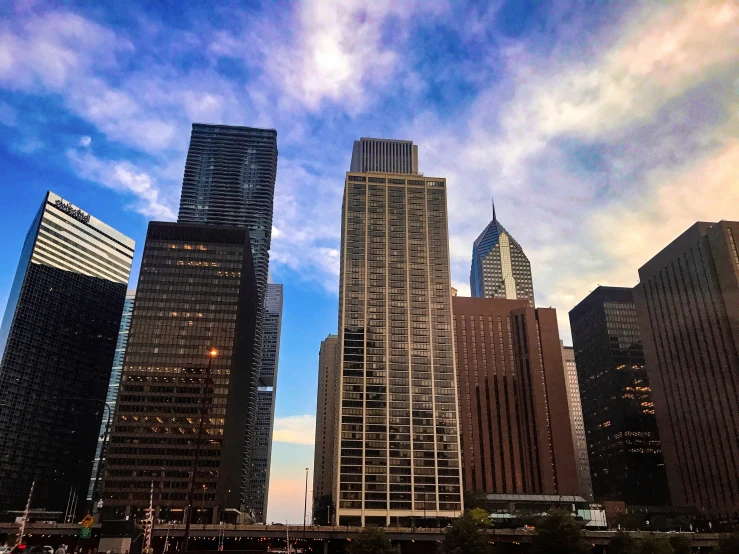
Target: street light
305,502
212,354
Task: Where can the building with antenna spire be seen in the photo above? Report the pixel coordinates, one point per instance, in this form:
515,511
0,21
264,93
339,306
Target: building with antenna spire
500,268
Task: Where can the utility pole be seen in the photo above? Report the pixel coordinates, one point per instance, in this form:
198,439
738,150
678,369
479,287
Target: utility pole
149,521
203,410
22,528
305,502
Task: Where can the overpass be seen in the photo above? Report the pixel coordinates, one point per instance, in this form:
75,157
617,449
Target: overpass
256,538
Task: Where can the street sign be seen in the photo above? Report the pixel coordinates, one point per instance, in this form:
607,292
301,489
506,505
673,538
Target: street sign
85,532
87,521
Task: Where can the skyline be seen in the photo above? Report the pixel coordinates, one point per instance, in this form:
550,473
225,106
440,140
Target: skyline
548,111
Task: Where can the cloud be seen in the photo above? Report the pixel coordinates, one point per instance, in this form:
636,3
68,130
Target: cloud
125,177
341,49
8,115
85,141
297,429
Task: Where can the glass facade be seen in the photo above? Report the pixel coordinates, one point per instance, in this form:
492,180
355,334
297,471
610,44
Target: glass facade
618,412
500,269
115,381
398,443
196,291
58,337
258,486
230,180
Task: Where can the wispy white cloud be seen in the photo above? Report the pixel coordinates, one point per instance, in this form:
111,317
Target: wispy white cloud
296,429
125,177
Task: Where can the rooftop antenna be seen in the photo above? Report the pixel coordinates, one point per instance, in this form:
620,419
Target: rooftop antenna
494,218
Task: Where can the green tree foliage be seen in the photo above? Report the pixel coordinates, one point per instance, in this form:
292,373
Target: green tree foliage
559,533
729,545
371,540
622,543
481,517
465,537
681,544
655,545
474,500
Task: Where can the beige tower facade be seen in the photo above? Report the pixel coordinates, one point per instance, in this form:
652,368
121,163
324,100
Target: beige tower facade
397,455
576,422
325,422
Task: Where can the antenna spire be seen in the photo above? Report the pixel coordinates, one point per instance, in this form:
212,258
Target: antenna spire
494,218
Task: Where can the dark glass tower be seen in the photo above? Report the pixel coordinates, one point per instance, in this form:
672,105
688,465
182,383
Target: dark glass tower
58,339
618,413
500,269
196,291
114,384
230,180
262,453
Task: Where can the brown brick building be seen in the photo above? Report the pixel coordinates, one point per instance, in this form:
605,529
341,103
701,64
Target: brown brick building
688,308
326,419
514,414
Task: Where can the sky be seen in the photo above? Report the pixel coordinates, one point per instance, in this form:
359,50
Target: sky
603,129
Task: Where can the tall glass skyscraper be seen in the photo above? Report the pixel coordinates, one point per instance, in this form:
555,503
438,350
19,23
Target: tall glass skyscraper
230,180
115,381
196,292
398,438
58,339
258,488
500,269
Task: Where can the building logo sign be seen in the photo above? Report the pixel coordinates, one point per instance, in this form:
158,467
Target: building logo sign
76,213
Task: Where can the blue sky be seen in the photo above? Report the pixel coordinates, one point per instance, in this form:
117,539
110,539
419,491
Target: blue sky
603,128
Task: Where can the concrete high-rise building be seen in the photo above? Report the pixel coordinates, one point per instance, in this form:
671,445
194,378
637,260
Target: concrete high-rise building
514,413
326,421
398,444
500,269
385,156
262,453
576,422
688,308
113,385
196,292
623,441
58,339
230,180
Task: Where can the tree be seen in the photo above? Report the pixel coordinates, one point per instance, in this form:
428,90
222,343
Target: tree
681,544
465,537
481,517
559,533
622,543
371,540
655,545
729,545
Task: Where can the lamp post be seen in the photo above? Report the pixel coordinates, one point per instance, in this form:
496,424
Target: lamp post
213,353
305,502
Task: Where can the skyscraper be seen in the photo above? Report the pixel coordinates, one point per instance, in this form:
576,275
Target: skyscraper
688,308
576,422
398,444
230,180
196,292
384,155
326,420
58,339
500,269
113,385
258,486
623,442
514,414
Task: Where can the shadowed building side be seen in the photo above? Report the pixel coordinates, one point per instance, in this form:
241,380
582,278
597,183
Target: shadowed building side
688,307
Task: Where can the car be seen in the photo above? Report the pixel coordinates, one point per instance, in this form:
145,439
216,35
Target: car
48,549
28,549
